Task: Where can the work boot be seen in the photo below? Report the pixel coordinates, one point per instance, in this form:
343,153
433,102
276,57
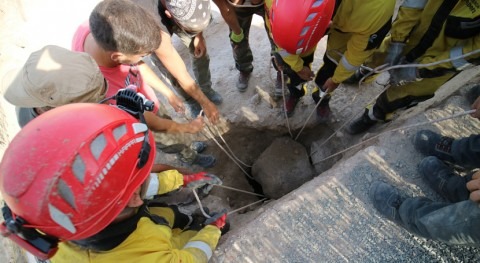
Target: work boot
198,146
204,160
214,97
357,76
386,200
279,88
323,111
242,82
442,178
290,105
433,144
362,124
193,109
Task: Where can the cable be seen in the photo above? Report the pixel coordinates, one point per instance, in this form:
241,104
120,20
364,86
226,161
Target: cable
397,129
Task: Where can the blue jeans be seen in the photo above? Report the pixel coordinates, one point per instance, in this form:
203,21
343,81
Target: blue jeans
466,151
456,221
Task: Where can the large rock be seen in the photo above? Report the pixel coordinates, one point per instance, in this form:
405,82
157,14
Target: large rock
282,167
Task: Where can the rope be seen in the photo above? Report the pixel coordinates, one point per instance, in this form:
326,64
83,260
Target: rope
233,211
285,104
243,207
238,190
383,68
397,129
200,204
323,94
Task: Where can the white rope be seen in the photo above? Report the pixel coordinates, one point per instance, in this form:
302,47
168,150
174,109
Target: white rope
200,204
243,207
285,104
311,113
238,190
383,68
397,129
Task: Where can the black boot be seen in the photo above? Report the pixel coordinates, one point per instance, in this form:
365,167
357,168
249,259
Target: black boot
362,124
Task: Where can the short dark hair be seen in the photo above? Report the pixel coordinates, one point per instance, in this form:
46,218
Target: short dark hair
123,26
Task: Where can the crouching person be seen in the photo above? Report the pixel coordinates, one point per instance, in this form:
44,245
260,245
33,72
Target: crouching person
73,181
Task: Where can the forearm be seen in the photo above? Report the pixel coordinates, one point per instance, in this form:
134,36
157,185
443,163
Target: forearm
154,81
175,65
229,16
157,124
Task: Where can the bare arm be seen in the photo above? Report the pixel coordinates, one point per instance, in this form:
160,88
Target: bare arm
175,65
157,124
228,15
153,81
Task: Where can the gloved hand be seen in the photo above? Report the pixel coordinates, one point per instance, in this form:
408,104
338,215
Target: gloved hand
395,50
402,76
218,219
201,180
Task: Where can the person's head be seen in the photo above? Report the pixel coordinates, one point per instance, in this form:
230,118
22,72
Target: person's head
297,26
125,29
54,76
192,16
70,172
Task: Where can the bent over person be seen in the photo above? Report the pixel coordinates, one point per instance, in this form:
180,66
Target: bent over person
73,180
353,34
424,32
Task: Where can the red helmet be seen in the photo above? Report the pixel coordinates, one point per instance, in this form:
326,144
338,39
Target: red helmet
72,170
297,26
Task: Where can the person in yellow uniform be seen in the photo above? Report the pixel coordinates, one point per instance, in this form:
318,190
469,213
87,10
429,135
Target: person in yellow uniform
424,32
77,194
356,29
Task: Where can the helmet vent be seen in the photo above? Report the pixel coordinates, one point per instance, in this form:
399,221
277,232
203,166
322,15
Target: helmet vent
300,43
119,132
311,17
78,169
317,3
139,128
66,193
304,31
98,145
61,218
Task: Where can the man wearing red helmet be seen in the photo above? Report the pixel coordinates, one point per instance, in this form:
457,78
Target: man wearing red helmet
81,184
355,30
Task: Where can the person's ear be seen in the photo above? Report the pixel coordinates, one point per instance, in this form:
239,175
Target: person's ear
169,15
116,56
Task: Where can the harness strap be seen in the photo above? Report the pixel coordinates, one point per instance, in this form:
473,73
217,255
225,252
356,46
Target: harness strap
433,30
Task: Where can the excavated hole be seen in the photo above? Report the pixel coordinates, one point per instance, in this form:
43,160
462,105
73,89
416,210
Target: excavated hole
248,144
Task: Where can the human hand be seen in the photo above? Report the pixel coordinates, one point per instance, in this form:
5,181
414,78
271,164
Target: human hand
306,74
196,125
402,76
476,106
394,51
200,179
200,46
474,187
217,219
211,111
329,85
176,103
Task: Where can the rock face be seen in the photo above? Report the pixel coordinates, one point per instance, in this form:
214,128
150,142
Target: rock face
282,167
